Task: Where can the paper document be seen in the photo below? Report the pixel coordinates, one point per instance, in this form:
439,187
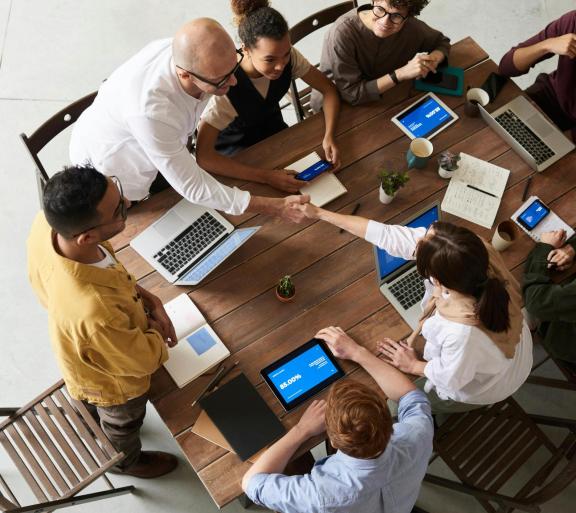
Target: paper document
549,223
324,188
198,348
475,191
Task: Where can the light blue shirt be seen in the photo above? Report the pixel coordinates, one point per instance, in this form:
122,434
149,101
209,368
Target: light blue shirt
387,484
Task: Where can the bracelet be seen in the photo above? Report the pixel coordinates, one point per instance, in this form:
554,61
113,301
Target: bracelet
394,77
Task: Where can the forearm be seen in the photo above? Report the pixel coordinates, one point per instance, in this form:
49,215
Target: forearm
275,459
354,224
525,57
385,82
331,109
393,382
216,163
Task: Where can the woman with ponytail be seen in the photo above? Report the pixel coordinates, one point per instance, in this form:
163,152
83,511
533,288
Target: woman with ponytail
477,347
250,111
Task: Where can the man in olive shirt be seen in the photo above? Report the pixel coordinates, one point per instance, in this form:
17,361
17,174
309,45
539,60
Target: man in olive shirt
108,334
371,49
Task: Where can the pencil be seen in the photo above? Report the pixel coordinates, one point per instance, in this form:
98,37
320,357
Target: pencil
354,210
215,381
525,193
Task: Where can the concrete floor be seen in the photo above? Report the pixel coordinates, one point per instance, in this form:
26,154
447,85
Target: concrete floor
54,51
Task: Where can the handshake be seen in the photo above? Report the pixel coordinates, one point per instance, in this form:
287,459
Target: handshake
296,208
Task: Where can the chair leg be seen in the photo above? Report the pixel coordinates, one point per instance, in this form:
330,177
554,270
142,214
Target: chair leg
44,507
244,501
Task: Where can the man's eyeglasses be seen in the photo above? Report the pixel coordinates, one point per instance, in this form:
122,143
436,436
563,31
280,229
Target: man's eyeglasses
120,212
394,17
220,83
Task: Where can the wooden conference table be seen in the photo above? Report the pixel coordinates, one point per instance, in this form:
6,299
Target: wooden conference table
333,272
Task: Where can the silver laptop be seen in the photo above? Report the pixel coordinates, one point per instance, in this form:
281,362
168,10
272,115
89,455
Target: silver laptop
398,279
528,132
189,242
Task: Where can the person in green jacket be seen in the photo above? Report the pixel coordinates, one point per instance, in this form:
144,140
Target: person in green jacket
554,305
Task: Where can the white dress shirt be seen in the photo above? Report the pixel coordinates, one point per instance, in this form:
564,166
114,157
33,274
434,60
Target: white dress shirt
139,124
463,363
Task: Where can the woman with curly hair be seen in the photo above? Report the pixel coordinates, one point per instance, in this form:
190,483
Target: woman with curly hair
250,111
375,47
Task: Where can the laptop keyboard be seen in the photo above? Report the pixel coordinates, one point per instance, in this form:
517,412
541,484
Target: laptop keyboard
190,243
409,289
525,136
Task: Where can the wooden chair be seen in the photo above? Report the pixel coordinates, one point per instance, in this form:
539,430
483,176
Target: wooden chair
487,447
301,99
48,131
58,449
569,373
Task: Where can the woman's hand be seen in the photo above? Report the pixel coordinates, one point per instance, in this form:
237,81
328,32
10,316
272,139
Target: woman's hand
555,238
561,258
331,151
399,354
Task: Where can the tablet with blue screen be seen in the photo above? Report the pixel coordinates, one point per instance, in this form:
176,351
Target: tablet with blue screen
302,373
425,118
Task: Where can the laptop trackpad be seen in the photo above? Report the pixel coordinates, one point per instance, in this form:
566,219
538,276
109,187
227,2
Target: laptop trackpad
539,125
170,225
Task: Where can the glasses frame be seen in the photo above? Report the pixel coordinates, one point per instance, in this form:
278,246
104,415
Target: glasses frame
120,212
222,82
391,15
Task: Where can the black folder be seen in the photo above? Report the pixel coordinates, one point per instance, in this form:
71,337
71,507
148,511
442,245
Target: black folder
242,416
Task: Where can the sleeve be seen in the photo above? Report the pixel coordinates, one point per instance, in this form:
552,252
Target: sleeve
162,145
399,241
219,112
300,65
414,410
455,367
556,28
340,55
289,494
120,351
544,299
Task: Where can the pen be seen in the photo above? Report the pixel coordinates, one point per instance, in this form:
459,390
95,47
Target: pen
354,210
215,381
480,190
525,193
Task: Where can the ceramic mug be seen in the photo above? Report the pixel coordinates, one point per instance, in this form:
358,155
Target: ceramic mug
504,235
474,97
419,153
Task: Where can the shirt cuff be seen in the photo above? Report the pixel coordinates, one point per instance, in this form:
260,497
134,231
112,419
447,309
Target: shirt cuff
373,232
239,203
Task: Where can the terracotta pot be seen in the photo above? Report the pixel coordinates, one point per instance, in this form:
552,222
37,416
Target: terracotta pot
284,299
385,198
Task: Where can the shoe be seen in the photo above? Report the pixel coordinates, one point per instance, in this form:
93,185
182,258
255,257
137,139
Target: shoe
150,464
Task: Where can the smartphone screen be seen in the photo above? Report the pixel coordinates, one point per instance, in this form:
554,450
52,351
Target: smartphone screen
440,79
313,171
533,215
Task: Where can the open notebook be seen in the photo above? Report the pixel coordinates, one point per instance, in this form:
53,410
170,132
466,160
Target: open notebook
475,191
324,188
198,348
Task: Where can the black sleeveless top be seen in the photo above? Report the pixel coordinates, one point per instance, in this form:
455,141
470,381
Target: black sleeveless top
257,117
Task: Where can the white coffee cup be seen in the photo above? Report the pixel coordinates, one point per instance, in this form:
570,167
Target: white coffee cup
504,236
474,97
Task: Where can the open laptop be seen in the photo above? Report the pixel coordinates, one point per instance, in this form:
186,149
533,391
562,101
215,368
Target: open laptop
528,132
189,242
398,279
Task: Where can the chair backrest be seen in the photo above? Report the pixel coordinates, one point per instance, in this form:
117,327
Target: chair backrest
49,130
56,446
307,26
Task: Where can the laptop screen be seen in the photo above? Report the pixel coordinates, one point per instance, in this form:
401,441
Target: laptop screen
387,263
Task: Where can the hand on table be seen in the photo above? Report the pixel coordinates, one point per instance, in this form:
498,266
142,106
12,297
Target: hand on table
563,45
561,258
313,422
331,151
283,180
399,354
555,238
341,345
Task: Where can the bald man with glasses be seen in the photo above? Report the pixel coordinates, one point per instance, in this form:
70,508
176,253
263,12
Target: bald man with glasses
145,112
372,48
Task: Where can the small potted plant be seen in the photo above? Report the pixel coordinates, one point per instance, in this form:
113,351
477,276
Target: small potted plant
390,182
285,290
448,163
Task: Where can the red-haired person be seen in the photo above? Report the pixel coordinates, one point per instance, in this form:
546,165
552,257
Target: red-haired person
378,466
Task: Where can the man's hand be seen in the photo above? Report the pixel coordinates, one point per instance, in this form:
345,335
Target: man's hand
399,354
555,238
331,151
562,45
418,67
283,180
561,258
291,208
310,211
341,345
157,317
312,422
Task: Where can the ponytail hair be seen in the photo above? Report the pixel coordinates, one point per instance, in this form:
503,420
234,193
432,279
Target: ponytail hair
457,258
256,19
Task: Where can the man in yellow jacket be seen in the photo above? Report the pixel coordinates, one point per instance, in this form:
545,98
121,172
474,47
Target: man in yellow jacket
108,333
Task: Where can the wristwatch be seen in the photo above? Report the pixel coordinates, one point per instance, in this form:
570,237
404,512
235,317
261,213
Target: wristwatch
394,77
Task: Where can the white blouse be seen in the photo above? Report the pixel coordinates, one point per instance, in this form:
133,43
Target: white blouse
463,363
